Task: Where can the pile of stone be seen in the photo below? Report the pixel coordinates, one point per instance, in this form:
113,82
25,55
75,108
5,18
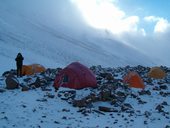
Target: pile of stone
110,87
25,83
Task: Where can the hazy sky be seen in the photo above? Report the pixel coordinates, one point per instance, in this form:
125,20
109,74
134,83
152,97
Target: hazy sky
143,23
144,16
146,7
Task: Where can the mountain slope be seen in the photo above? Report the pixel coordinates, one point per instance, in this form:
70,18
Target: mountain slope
53,33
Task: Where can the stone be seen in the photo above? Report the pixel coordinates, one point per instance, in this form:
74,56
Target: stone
144,92
11,72
107,109
159,108
167,126
66,95
79,103
25,88
11,82
126,107
163,87
141,102
147,114
27,79
50,95
42,100
2,90
134,95
38,83
164,103
105,95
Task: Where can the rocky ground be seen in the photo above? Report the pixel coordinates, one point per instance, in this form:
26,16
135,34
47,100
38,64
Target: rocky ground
116,104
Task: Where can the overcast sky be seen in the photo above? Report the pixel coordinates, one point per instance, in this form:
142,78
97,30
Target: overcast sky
143,23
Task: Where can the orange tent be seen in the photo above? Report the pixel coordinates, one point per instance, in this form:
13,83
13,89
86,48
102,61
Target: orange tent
32,69
157,73
134,80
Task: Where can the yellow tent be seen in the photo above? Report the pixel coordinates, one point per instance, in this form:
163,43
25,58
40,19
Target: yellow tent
32,69
157,73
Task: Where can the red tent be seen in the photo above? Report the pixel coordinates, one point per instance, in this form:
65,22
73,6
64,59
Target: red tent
76,76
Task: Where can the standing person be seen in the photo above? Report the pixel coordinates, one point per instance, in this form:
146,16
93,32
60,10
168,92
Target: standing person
19,62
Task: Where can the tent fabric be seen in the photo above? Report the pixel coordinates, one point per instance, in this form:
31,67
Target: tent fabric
157,73
134,80
75,76
32,69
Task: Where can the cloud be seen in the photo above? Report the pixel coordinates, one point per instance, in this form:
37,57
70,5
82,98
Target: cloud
129,24
148,34
104,14
161,25
151,18
155,44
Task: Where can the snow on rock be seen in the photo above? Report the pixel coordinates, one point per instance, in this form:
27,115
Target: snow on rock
111,104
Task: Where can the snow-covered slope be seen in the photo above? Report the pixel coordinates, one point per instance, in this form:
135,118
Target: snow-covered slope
53,33
125,107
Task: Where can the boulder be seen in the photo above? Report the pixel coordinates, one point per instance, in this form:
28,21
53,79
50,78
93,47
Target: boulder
11,82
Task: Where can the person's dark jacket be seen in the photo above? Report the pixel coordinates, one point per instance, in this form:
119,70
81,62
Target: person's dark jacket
19,60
